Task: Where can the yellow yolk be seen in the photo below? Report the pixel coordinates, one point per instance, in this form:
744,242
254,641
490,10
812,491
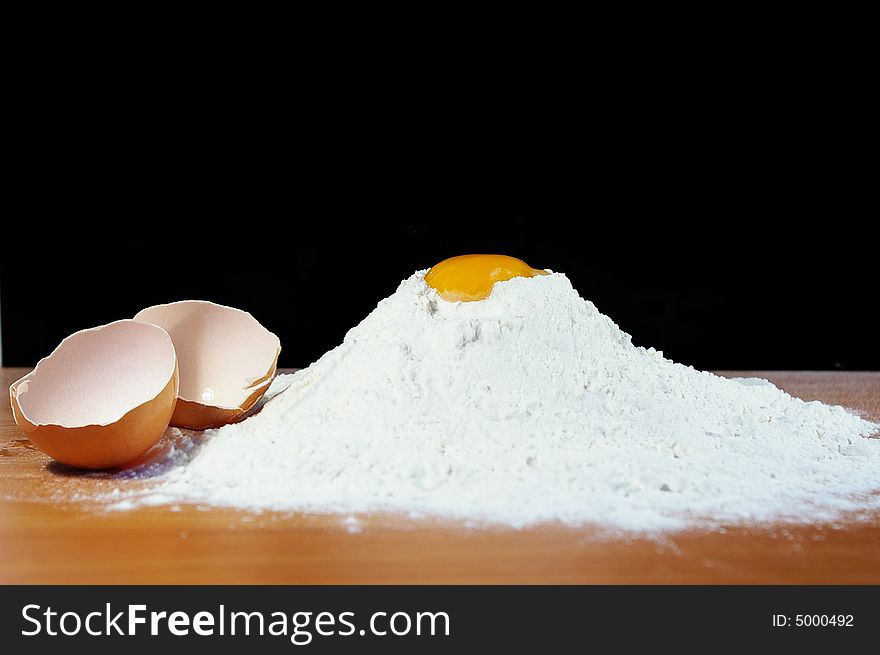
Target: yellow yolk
471,277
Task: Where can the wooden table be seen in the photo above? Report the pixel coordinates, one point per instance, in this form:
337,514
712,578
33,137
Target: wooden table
50,532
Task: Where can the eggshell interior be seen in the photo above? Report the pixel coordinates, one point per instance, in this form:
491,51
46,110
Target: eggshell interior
225,356
96,376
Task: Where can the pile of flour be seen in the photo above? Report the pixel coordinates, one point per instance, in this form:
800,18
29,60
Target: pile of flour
530,406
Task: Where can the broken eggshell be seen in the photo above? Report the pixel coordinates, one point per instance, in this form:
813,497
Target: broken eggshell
102,398
227,360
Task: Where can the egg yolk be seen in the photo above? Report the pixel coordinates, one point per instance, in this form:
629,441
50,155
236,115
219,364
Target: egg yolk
471,277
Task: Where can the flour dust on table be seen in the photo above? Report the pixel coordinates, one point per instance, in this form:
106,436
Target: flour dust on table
529,406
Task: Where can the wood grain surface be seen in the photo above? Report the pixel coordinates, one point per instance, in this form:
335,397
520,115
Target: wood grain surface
54,530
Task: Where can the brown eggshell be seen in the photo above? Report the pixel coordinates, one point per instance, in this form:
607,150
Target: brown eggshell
102,398
227,360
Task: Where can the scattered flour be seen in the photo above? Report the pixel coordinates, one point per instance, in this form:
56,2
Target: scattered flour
529,406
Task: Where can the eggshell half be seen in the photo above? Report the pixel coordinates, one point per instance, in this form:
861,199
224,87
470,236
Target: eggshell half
102,398
227,360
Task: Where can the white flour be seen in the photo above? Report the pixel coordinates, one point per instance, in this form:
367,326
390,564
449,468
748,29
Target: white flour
530,406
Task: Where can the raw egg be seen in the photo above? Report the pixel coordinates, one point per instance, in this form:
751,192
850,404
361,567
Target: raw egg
227,360
471,277
102,398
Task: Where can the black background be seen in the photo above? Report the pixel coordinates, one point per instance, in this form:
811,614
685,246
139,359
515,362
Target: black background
721,289
505,617
728,220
